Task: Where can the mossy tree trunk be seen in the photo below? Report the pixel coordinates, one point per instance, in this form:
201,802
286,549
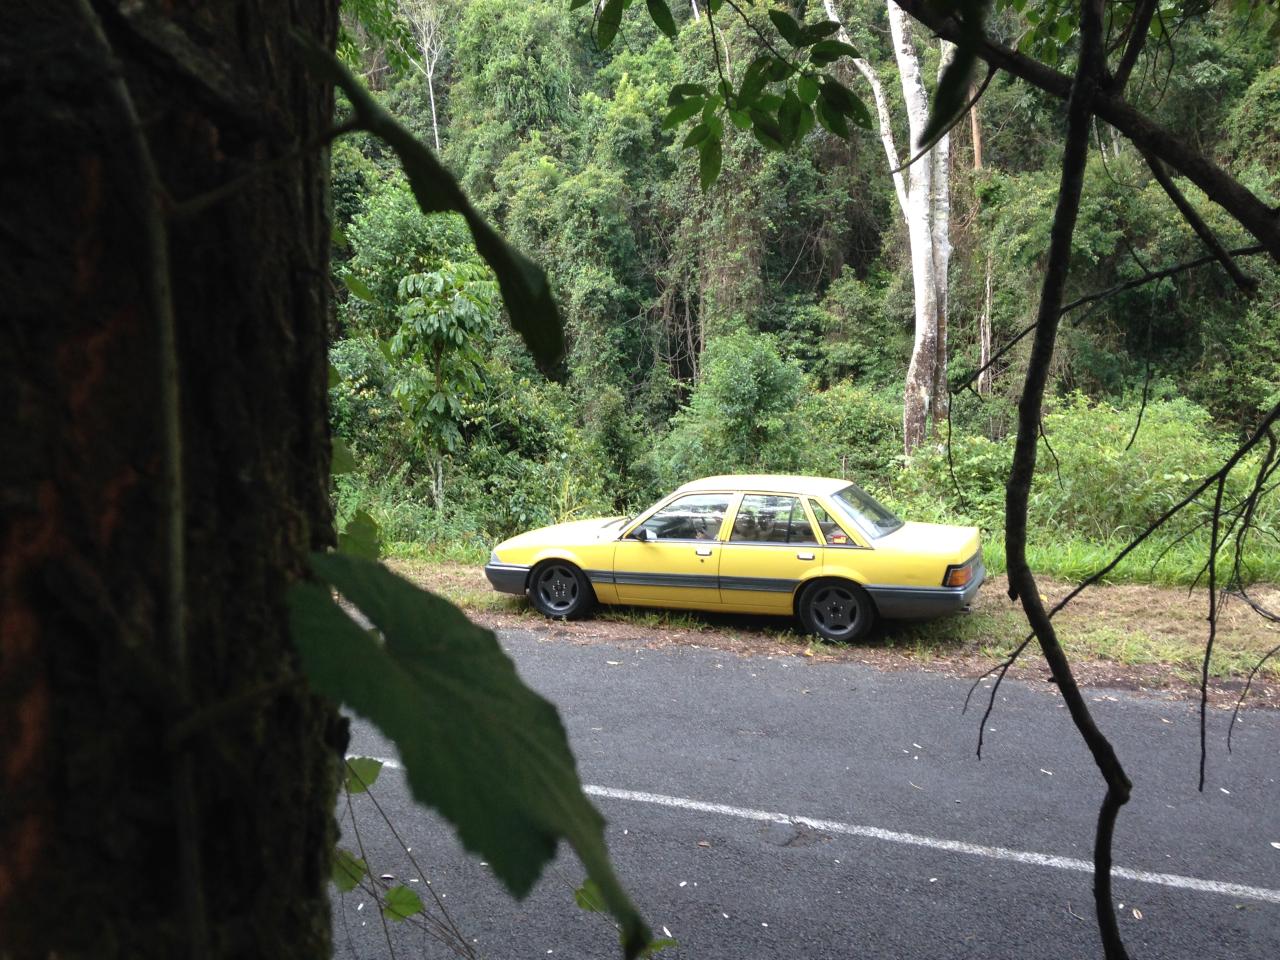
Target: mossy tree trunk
96,857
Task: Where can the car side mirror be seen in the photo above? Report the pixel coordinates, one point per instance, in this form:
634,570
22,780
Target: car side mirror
645,535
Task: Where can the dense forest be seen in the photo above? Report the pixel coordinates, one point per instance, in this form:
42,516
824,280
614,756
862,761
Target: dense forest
765,323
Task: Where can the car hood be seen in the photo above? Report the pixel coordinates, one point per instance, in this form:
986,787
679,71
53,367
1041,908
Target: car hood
575,533
953,544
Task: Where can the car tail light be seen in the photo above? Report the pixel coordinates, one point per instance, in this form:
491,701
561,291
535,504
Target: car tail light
958,576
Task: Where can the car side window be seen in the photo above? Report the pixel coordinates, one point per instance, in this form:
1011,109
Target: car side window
831,531
695,517
770,519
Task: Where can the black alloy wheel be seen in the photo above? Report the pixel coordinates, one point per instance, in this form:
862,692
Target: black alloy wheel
560,590
837,610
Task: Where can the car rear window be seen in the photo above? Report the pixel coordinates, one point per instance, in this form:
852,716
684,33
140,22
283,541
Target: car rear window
866,511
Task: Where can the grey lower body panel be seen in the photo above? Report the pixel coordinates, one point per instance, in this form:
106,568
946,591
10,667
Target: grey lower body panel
920,603
507,577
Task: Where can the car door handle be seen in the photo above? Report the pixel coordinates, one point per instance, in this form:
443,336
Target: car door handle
804,556
703,551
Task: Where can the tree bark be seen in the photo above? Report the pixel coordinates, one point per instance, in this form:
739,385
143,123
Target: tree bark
918,394
97,856
925,201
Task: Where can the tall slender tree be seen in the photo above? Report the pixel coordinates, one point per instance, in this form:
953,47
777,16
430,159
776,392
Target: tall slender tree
924,199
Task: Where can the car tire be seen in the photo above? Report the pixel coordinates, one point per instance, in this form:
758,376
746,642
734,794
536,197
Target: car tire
560,590
838,611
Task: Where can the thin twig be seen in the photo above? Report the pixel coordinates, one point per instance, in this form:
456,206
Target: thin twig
451,928
1146,387
1057,466
1213,624
1189,213
355,828
1098,296
1204,485
1231,727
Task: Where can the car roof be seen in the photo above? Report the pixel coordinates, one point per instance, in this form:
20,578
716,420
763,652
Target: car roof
767,483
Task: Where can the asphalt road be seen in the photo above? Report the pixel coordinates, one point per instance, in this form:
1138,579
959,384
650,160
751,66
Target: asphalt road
911,846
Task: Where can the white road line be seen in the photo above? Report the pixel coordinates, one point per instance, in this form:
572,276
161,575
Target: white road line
934,843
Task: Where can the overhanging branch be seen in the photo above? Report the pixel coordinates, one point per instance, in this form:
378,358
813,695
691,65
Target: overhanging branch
1251,213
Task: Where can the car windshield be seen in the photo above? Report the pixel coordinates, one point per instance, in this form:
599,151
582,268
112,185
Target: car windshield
866,511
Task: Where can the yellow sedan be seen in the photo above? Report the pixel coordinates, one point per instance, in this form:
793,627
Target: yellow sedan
822,550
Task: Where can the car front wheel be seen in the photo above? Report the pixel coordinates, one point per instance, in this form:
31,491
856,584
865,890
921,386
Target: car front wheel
560,590
836,610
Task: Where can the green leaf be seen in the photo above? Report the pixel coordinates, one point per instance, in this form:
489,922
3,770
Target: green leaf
477,744
741,119
347,870
807,88
358,288
362,772
609,22
361,537
766,131
337,238
660,13
401,904
682,90
575,4
588,897
787,26
816,31
806,121
710,157
343,461
832,119
845,101
524,287
754,78
681,112
789,114
829,51
696,135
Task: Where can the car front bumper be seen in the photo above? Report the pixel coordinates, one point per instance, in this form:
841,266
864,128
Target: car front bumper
920,603
507,577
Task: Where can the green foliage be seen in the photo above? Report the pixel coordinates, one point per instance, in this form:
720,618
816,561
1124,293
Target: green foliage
766,324
361,774
400,903
742,416
446,315
1090,484
348,870
477,744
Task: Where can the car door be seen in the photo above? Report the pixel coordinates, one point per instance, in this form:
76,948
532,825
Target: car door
771,547
680,566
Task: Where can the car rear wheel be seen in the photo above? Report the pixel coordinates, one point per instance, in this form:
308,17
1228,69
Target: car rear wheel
560,590
836,610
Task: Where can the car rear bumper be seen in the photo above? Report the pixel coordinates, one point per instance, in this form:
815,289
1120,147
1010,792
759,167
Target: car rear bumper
507,577
919,603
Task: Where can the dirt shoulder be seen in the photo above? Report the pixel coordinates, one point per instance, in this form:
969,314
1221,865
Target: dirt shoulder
1141,638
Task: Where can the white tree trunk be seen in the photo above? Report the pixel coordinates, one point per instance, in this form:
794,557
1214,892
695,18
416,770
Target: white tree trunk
921,373
423,17
940,232
925,200
984,338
